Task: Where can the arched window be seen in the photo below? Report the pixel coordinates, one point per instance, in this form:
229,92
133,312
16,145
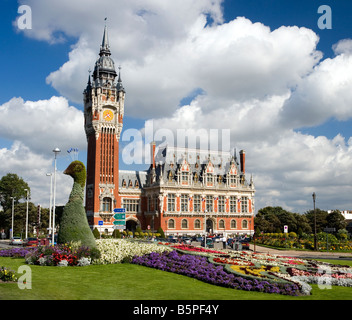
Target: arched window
244,224
221,224
197,224
233,224
171,224
184,224
107,204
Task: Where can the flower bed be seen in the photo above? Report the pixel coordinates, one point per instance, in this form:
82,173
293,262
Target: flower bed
250,266
15,252
199,268
119,250
236,269
62,255
190,248
7,275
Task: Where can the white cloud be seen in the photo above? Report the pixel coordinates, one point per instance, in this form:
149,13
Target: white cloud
34,129
42,125
32,168
325,93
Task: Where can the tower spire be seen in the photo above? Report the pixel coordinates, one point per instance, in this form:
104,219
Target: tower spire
105,47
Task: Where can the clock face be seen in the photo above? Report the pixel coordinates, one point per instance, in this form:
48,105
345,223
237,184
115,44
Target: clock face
108,115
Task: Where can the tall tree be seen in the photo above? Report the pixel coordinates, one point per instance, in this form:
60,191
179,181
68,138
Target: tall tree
12,185
336,220
321,217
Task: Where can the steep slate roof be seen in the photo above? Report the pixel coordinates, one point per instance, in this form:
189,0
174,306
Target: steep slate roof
169,159
133,176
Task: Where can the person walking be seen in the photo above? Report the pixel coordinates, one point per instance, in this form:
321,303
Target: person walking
224,242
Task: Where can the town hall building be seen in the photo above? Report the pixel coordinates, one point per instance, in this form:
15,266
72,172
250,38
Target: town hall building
184,191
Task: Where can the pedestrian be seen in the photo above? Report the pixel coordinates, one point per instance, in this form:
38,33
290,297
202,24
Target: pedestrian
224,242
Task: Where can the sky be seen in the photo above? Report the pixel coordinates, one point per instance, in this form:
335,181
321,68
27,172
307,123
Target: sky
273,76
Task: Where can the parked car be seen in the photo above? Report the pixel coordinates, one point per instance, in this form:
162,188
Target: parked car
16,241
217,239
31,242
245,244
210,243
186,240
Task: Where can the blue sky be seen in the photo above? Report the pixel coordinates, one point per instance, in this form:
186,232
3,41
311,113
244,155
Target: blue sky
52,60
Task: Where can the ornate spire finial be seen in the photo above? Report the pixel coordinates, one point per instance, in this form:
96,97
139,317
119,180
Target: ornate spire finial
105,47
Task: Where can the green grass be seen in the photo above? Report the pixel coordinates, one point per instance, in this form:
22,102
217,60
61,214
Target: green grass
133,282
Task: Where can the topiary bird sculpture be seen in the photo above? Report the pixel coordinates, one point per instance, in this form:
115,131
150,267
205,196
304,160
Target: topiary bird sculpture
74,224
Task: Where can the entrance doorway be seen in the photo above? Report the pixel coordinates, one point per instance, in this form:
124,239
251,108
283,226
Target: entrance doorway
131,225
209,226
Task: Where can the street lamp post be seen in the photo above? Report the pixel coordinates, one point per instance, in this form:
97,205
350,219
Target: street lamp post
56,151
315,223
27,214
51,196
205,228
13,213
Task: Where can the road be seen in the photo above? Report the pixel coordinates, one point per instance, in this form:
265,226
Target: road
303,254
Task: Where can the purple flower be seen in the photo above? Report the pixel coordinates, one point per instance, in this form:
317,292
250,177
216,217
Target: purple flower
199,268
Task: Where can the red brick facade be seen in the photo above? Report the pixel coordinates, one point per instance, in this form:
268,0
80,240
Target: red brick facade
184,191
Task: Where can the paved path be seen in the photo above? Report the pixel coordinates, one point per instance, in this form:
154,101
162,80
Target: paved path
303,254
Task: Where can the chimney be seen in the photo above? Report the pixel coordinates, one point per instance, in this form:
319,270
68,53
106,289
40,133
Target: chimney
243,161
153,153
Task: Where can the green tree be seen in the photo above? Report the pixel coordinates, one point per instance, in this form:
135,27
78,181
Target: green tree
321,219
336,220
267,219
161,231
302,224
12,185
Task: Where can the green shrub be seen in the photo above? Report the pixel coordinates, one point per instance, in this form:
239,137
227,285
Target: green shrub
96,233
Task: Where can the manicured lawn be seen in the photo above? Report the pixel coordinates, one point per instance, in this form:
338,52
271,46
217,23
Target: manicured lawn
133,282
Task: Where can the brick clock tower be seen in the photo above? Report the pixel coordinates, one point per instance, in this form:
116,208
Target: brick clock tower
103,115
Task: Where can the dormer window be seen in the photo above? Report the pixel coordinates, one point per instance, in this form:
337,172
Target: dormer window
209,179
184,177
232,180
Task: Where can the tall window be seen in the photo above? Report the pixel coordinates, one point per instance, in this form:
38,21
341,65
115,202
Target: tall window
184,224
131,205
184,203
209,203
155,200
197,224
244,204
233,224
149,203
171,202
221,224
107,204
244,224
171,224
232,204
221,204
197,200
